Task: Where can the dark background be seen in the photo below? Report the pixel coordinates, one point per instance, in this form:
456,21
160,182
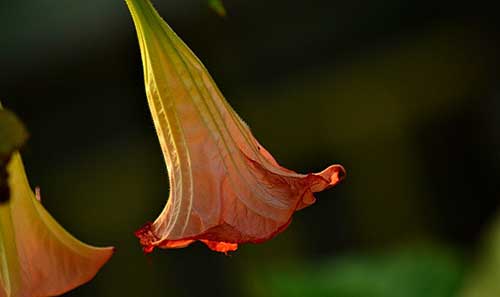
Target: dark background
404,94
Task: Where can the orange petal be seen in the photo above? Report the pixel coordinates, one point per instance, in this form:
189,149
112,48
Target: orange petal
226,189
37,256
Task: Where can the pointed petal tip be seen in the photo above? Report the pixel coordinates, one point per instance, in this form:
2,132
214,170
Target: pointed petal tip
104,255
333,174
110,251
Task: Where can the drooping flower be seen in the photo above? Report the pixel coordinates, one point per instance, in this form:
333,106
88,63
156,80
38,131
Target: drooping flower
225,188
37,256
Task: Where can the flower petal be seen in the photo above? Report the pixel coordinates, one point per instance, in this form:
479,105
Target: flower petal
226,188
37,256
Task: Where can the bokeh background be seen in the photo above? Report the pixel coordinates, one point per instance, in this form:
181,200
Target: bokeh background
404,94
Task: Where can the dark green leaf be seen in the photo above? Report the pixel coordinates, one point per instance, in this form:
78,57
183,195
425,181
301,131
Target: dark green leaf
13,134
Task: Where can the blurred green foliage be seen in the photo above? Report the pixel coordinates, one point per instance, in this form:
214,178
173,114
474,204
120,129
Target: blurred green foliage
217,6
13,134
484,277
409,272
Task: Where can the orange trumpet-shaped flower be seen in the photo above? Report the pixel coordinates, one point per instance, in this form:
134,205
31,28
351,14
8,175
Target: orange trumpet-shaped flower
226,189
37,256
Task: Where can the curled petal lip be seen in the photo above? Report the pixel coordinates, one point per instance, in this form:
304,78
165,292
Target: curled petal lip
225,237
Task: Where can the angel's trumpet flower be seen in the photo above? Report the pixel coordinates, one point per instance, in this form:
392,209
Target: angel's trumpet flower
37,256
226,189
